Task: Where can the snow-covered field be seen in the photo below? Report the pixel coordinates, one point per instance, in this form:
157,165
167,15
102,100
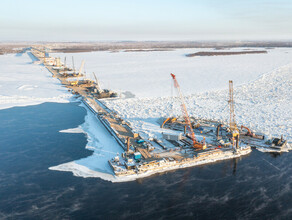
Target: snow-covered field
146,74
263,84
24,83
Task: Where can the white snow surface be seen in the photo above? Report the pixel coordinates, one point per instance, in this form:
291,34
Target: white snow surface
147,74
24,83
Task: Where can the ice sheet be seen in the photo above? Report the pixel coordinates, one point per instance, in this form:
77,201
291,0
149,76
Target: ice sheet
264,105
147,74
104,147
24,83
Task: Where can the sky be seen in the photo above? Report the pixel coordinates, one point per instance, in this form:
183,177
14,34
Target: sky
114,20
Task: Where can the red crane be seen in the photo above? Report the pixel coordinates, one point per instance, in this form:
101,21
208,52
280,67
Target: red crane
196,144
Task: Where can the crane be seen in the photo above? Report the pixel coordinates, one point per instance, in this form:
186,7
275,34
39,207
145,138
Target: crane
251,134
58,62
232,123
196,144
97,84
44,55
172,119
73,64
81,68
75,83
65,67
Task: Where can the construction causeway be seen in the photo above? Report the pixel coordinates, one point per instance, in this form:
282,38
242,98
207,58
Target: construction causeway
118,128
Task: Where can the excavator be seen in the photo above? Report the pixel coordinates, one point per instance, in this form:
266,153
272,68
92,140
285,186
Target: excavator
196,144
171,119
249,133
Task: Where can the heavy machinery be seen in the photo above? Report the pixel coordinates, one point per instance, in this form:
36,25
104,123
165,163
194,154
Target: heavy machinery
196,144
278,143
99,93
62,68
76,82
66,74
170,119
98,88
249,133
218,131
58,65
232,124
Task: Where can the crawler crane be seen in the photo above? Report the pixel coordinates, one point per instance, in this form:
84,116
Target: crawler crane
76,82
196,144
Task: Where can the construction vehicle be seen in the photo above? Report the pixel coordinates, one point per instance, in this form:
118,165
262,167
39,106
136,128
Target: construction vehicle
57,64
66,68
250,133
96,90
62,68
66,74
196,144
170,119
278,143
76,82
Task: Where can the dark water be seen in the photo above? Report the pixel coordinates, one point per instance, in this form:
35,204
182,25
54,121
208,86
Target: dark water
257,186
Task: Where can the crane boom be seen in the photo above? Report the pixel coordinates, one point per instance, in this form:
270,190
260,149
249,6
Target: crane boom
232,123
73,64
81,68
185,114
95,78
97,84
65,66
75,83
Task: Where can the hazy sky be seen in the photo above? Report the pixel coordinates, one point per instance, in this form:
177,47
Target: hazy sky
75,20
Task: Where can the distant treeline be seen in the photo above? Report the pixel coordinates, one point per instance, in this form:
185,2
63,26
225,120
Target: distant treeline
223,53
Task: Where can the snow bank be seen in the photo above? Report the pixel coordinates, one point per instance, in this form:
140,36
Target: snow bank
24,83
104,148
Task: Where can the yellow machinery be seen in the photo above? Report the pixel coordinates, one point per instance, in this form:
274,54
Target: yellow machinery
75,83
172,119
